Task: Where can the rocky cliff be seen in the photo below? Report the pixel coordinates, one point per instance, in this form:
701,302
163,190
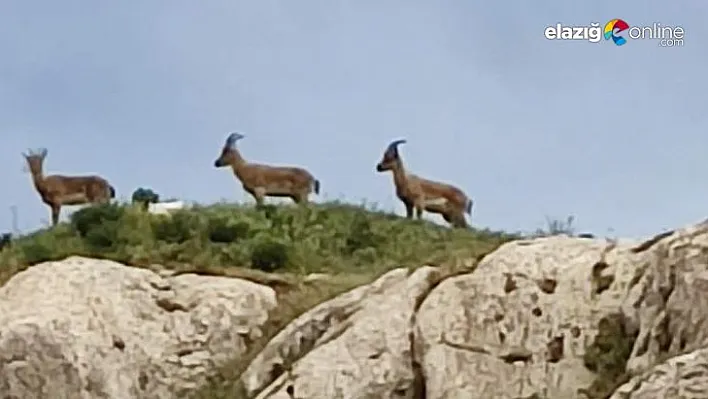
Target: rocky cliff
552,318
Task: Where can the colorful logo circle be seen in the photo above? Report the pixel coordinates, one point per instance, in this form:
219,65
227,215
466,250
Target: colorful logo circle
613,27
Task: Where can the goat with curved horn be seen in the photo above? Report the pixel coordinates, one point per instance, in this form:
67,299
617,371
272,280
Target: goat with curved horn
262,181
59,190
421,194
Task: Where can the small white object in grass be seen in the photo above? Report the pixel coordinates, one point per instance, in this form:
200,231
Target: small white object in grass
164,208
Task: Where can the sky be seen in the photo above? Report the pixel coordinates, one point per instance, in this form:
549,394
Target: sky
145,92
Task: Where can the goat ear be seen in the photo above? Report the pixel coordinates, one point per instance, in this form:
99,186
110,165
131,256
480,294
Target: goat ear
43,153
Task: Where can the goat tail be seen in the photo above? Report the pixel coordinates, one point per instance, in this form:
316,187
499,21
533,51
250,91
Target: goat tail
468,207
316,186
111,191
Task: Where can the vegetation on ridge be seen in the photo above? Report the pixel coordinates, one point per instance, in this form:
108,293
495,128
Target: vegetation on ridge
330,237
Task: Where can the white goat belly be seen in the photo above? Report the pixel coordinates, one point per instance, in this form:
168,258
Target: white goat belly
77,197
435,201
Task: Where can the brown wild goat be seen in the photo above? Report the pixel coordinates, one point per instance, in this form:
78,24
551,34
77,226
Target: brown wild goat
264,180
423,194
58,190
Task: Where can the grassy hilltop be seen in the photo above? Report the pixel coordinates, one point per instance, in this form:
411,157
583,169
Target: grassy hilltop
331,237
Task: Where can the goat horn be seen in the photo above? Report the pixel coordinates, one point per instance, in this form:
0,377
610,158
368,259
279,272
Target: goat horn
233,138
394,145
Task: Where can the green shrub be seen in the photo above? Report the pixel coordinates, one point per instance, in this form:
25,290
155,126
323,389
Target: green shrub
98,225
92,217
221,230
36,252
176,228
607,356
103,236
269,255
5,240
361,236
145,196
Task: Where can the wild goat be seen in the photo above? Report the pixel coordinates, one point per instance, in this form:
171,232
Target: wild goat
59,190
264,180
423,194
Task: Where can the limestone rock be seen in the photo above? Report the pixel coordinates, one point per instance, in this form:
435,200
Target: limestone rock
356,346
518,326
86,328
668,307
668,304
681,377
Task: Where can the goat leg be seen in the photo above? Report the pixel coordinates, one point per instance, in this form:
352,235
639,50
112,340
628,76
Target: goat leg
409,210
419,206
259,194
56,209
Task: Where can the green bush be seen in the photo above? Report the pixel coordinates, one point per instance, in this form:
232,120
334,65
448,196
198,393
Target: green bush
145,196
94,217
5,240
222,231
607,356
269,255
98,225
36,252
360,236
176,228
102,237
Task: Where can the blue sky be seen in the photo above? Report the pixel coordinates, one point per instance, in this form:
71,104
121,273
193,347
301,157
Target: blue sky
145,92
